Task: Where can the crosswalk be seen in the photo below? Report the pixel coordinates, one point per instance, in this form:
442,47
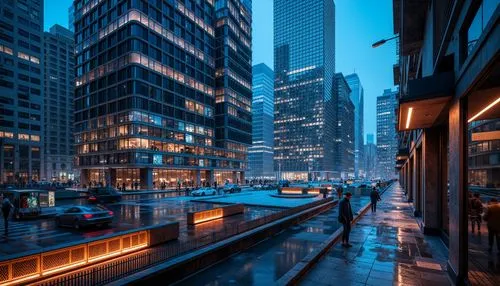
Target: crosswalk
26,231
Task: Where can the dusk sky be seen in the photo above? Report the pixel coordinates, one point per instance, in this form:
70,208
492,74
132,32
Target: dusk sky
359,23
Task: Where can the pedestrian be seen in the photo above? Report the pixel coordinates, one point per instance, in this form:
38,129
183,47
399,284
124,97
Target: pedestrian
136,184
374,197
7,206
345,218
492,217
475,212
339,192
123,187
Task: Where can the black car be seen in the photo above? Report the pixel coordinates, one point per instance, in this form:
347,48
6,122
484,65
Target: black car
81,216
104,195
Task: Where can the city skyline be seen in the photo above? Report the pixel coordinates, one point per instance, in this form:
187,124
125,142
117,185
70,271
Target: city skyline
358,28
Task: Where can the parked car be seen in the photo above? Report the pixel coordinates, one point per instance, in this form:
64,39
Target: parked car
231,188
81,216
284,183
204,192
104,195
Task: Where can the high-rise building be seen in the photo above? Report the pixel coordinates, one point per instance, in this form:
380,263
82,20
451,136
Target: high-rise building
304,67
71,18
357,98
260,155
344,129
58,104
370,156
233,80
387,143
145,97
21,91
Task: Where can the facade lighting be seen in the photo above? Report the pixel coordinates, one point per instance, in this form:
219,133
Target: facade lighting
484,110
408,118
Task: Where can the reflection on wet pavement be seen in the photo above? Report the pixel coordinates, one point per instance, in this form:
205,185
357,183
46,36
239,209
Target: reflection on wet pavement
133,212
388,249
267,261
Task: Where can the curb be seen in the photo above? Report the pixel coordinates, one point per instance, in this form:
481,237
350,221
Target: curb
294,275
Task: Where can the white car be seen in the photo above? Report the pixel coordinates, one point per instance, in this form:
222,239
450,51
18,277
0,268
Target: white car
204,192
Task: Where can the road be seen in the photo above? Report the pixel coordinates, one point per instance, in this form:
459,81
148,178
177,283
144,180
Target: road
133,212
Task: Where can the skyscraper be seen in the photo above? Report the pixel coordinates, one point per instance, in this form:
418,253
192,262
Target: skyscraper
149,85
370,156
21,91
58,106
260,155
304,66
387,144
357,98
71,18
344,129
233,80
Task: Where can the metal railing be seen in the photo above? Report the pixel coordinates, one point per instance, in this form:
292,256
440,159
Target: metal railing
107,272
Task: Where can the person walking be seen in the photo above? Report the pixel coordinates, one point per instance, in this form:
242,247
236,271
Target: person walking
339,192
492,217
374,197
345,218
475,212
7,206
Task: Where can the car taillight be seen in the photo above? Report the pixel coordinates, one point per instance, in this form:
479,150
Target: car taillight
87,215
92,198
110,213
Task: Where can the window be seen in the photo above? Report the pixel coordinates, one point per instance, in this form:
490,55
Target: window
479,22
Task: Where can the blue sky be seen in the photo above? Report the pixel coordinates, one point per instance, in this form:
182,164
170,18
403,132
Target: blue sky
359,23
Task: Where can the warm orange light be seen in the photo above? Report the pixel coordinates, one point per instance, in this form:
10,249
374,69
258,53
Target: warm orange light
484,110
61,268
208,215
21,280
408,118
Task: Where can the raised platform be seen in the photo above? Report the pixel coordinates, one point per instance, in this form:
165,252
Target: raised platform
294,196
215,213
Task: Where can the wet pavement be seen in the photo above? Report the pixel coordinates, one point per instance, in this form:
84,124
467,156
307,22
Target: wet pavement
131,213
267,261
388,249
484,266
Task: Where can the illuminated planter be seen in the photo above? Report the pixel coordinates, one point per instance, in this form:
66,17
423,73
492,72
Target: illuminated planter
292,191
212,214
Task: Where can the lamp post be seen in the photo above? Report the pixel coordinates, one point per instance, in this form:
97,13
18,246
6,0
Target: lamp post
383,41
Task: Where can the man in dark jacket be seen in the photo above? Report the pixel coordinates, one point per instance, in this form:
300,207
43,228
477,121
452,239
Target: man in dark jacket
7,206
345,218
374,197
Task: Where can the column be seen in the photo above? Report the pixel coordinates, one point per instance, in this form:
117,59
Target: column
235,177
198,178
431,184
457,170
146,175
210,177
84,178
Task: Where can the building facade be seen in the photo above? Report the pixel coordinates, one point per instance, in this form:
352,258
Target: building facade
304,67
260,155
21,91
387,141
357,98
370,157
344,129
58,104
71,18
233,80
449,106
153,83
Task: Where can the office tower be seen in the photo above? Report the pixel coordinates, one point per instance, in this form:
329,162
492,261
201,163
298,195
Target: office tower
344,129
233,80
21,91
370,155
357,98
71,18
304,67
387,144
58,104
145,97
260,155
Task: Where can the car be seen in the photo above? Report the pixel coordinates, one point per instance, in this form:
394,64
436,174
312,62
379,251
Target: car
284,183
231,188
104,195
204,192
82,216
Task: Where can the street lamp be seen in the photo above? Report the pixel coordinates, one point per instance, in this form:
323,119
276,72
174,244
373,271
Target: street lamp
383,41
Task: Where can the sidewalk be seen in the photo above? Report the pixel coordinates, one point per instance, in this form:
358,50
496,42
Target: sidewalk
388,249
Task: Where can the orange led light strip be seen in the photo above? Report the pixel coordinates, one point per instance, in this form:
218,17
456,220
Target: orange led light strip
484,110
408,118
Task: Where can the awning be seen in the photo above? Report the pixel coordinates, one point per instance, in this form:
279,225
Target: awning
426,99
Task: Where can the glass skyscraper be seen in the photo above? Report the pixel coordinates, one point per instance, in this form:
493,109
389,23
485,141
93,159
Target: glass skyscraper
162,91
357,98
344,129
260,155
387,143
304,66
21,91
